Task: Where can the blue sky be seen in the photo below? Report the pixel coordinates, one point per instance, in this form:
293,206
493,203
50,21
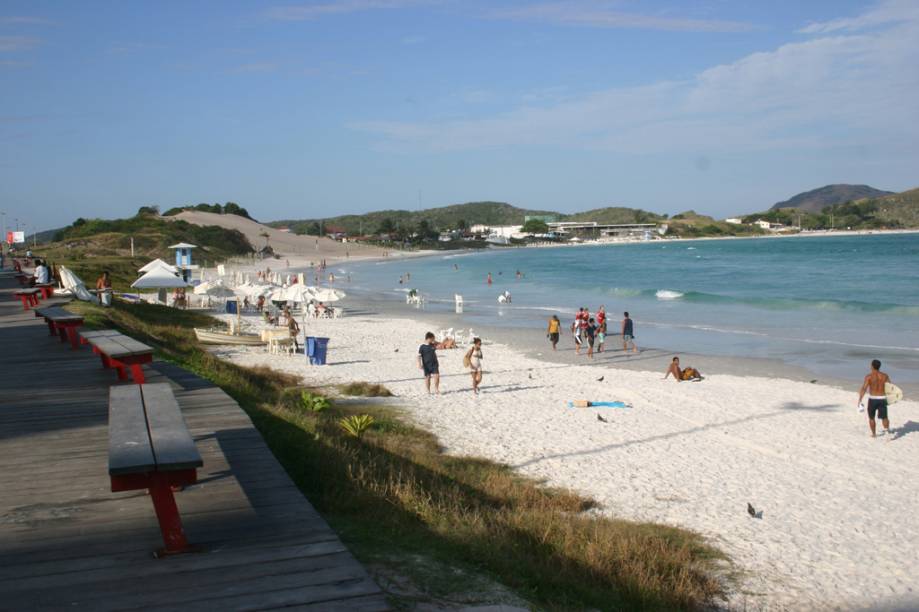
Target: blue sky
307,109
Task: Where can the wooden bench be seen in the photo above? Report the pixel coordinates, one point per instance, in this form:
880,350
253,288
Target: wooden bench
61,322
29,297
120,352
47,290
150,448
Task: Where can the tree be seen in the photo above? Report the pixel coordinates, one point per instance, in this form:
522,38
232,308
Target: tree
266,236
426,231
313,229
535,226
148,210
232,208
386,226
461,225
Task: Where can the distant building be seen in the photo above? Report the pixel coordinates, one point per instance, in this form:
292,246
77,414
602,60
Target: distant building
734,221
762,223
543,218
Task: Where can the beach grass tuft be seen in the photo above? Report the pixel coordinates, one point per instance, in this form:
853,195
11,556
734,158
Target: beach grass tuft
364,389
395,493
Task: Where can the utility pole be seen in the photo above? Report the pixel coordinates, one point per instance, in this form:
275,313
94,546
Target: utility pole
132,247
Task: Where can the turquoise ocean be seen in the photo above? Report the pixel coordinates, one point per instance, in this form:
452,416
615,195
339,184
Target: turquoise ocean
828,303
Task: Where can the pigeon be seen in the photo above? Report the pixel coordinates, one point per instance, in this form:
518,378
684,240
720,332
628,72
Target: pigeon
396,351
601,419
531,376
750,510
601,379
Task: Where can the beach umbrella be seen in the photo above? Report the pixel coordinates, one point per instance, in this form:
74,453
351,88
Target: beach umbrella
158,263
214,289
72,283
298,293
253,291
159,278
328,295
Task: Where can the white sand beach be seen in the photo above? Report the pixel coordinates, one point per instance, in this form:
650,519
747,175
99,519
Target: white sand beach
839,527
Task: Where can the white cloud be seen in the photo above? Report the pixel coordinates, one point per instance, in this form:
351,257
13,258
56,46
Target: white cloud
604,15
825,92
18,43
315,10
883,13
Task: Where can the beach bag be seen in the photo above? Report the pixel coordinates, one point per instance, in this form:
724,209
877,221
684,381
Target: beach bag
690,373
467,362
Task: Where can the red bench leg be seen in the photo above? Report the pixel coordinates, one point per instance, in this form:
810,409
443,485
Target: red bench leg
51,329
74,338
137,373
26,300
119,367
167,513
34,299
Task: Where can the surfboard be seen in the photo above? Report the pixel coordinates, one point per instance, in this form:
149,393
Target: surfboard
893,392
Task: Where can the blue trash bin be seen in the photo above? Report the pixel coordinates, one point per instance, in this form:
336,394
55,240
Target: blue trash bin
316,349
232,306
310,345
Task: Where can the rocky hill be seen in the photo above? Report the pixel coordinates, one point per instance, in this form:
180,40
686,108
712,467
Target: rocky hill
816,200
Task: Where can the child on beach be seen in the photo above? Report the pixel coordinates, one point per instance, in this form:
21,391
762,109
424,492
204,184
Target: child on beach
552,331
427,362
474,359
601,335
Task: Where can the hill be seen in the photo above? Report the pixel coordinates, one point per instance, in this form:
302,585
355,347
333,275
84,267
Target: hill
816,200
893,211
615,215
453,216
283,243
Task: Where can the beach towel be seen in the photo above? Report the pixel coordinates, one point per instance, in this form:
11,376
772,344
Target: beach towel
591,404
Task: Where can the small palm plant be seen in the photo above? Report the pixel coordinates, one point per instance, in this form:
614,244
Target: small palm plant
357,424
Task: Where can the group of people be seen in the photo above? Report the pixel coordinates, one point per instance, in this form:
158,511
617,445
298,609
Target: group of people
593,331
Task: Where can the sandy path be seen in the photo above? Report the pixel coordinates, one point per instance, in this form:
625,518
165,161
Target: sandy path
839,527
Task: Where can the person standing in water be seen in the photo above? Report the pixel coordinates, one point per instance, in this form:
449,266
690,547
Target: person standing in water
628,333
474,357
874,384
488,280
552,331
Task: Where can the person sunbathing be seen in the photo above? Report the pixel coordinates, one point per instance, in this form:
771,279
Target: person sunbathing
680,375
446,343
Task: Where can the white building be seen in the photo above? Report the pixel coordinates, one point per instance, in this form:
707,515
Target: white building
734,221
763,224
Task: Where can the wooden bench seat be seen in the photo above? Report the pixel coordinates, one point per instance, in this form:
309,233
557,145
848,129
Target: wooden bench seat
120,352
29,297
62,322
151,448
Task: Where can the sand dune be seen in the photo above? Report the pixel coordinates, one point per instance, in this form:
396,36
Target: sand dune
284,243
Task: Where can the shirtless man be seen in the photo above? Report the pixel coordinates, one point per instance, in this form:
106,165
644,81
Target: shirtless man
877,398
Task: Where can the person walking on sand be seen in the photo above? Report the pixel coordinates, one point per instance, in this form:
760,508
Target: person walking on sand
427,362
628,333
601,317
552,331
474,359
874,384
576,331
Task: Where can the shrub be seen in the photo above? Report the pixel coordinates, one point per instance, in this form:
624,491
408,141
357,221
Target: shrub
365,389
314,402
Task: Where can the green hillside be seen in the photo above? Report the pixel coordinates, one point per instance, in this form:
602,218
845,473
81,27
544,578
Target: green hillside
446,217
615,215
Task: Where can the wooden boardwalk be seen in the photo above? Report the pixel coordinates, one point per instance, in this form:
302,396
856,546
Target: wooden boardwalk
67,542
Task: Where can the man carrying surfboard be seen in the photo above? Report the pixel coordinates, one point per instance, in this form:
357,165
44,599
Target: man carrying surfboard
875,383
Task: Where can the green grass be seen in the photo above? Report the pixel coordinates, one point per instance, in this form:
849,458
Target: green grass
364,389
394,496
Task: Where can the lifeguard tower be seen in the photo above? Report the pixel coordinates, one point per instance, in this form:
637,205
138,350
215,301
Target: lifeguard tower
183,259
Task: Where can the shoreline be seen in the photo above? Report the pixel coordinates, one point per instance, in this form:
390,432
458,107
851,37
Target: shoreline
688,454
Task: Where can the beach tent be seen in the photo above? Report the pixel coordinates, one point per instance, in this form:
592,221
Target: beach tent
159,278
72,283
158,263
328,295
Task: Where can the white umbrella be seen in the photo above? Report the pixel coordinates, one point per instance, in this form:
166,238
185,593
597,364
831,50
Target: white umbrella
72,282
328,295
299,293
159,278
254,290
158,263
214,289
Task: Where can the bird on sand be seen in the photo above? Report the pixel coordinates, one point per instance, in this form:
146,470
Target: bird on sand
601,379
396,351
601,419
751,510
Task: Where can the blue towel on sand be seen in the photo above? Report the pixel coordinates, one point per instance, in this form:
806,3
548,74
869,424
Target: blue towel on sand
604,405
